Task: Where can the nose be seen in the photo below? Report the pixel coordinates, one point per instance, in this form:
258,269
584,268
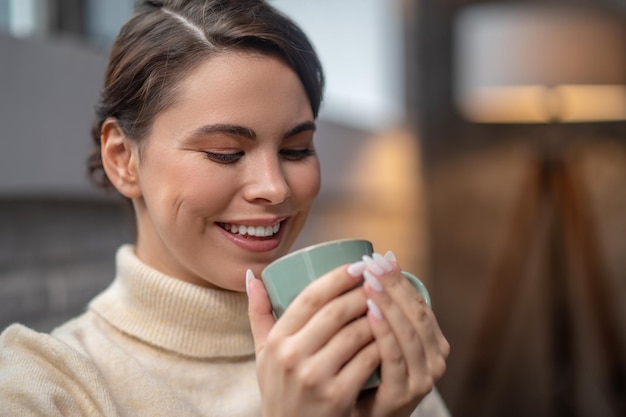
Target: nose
267,182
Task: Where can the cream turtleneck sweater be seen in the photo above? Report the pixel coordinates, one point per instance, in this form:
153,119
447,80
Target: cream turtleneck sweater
149,345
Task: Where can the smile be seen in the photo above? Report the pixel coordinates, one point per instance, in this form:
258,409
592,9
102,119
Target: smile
256,231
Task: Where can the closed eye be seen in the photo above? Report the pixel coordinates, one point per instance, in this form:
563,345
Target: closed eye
224,158
297,154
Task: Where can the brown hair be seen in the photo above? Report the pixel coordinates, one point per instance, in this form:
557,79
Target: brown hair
165,40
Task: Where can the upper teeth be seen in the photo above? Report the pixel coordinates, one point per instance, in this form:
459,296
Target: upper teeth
260,231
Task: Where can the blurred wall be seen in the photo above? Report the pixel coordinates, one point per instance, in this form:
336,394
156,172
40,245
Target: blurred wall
47,93
536,328
57,234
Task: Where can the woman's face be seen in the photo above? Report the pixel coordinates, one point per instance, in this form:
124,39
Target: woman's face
228,173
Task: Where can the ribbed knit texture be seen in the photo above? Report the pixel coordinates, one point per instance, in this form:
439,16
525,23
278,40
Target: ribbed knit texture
173,314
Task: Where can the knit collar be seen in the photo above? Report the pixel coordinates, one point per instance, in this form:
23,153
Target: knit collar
175,315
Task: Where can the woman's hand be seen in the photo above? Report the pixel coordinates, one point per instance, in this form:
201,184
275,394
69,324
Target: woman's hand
315,359
317,356
412,347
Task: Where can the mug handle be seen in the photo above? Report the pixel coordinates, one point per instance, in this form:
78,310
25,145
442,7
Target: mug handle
419,285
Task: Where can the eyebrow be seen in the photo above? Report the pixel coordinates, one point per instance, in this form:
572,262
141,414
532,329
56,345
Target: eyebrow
230,129
302,127
247,133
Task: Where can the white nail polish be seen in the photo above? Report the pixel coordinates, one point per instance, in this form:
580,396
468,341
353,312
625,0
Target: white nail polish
249,277
384,263
356,269
390,256
373,308
372,281
373,266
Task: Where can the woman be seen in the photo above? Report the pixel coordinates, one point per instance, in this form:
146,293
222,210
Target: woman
206,125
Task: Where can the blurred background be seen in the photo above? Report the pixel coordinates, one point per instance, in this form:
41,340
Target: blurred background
483,141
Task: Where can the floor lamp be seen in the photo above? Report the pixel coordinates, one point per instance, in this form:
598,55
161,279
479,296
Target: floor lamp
551,65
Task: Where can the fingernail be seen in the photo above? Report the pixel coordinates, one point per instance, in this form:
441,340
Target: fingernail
390,256
372,266
382,262
372,281
356,269
249,277
373,308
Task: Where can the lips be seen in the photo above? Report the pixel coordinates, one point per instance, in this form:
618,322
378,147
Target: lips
249,231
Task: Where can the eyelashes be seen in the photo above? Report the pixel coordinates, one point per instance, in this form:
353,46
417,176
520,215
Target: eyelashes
297,154
224,158
233,157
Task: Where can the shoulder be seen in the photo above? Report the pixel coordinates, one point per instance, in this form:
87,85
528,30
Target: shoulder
18,341
42,375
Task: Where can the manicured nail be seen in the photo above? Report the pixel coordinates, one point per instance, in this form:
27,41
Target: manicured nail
249,277
372,281
373,308
382,262
356,269
390,256
373,266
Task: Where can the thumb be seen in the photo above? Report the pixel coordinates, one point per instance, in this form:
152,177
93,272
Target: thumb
259,310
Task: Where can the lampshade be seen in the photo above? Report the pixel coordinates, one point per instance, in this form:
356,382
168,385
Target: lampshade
534,63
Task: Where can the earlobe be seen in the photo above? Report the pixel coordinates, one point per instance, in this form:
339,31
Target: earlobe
119,158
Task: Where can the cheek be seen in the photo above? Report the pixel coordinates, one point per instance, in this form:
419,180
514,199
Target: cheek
207,192
184,187
305,182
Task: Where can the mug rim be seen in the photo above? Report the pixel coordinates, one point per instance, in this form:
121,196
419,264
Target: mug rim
315,246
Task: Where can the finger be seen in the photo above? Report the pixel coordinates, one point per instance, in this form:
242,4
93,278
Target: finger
342,347
401,291
324,367
432,334
400,355
359,369
404,345
435,344
259,310
410,318
327,322
316,295
413,305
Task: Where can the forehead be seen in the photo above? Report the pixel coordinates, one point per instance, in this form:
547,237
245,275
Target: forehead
240,87
235,66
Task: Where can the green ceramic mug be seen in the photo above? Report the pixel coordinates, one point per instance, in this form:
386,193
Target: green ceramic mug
287,276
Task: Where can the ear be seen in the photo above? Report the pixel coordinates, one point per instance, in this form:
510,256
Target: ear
120,159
